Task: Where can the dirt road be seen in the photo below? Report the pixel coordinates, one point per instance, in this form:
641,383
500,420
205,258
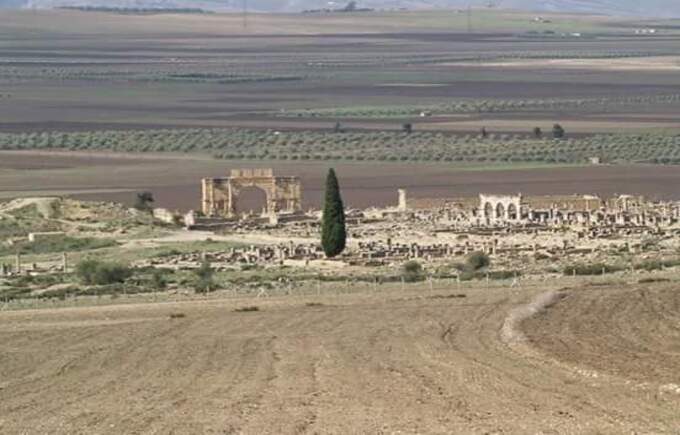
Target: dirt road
397,363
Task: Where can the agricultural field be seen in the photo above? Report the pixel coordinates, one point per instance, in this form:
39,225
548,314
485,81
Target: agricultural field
537,147
301,92
408,360
174,179
304,72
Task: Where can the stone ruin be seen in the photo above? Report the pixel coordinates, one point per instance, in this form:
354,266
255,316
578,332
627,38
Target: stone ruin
552,210
220,199
220,195
431,229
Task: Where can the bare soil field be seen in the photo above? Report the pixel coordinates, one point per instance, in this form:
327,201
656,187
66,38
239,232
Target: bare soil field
175,179
630,333
404,362
666,63
61,72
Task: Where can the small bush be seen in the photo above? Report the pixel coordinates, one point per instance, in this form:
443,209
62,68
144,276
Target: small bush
247,309
412,271
558,131
451,296
590,269
204,281
651,265
94,272
158,280
477,260
652,280
143,201
60,293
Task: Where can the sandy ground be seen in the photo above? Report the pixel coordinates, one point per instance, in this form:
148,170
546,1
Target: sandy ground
402,362
184,236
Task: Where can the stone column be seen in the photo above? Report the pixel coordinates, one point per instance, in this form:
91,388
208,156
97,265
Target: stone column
402,206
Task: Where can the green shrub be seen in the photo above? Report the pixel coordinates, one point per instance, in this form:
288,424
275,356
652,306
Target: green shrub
590,269
247,309
61,293
651,265
469,275
57,244
204,278
158,280
477,260
652,280
144,201
94,272
412,271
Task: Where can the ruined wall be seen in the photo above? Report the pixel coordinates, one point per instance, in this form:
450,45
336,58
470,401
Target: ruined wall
565,202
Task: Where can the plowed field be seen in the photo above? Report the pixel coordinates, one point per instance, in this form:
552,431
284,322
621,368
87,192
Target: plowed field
402,363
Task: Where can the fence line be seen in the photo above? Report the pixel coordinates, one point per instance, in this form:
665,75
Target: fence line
308,289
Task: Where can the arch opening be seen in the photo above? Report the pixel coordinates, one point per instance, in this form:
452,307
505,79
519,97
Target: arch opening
488,210
250,200
500,211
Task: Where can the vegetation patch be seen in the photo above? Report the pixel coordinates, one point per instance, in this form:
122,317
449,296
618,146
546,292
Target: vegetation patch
56,244
412,271
591,269
94,272
369,146
652,280
247,309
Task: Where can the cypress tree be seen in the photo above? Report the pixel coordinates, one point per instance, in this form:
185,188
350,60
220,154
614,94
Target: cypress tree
333,235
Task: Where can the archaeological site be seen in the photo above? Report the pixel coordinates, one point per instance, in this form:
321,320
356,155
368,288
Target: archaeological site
319,218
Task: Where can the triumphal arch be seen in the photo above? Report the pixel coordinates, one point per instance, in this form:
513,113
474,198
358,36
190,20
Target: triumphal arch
220,195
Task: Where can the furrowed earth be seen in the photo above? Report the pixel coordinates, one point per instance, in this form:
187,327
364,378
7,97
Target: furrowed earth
405,361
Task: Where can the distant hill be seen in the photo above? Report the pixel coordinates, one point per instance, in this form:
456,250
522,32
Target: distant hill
642,8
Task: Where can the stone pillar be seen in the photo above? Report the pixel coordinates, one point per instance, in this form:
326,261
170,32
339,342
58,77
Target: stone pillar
402,206
64,262
230,205
18,264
